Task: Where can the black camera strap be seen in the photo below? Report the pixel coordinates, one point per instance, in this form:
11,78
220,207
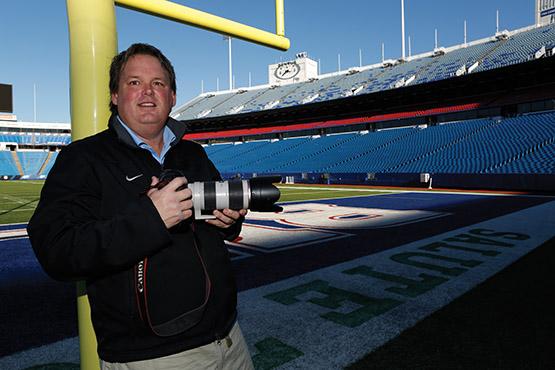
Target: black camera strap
180,323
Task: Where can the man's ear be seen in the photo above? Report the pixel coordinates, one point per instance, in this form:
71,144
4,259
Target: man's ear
115,98
173,99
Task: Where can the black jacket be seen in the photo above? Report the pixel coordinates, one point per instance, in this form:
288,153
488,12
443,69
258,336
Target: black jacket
94,223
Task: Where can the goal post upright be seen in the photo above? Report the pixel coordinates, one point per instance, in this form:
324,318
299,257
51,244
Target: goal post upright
92,45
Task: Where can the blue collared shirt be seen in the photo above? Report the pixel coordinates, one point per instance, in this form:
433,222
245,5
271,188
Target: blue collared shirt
168,138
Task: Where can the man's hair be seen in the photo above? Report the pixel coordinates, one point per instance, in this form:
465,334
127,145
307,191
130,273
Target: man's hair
119,61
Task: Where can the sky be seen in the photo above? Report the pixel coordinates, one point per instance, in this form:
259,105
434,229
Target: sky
34,41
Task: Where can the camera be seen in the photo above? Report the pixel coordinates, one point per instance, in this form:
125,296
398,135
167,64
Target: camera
257,194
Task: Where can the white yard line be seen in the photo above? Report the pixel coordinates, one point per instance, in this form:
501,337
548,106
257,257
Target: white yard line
24,209
14,199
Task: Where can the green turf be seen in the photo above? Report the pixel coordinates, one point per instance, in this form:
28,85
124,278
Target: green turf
18,200
291,193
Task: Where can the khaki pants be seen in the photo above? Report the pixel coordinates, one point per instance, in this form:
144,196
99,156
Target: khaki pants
230,353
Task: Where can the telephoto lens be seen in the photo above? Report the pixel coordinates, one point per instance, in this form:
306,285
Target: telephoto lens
264,194
257,194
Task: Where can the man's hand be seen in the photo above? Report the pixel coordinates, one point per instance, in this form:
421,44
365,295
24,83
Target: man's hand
226,217
173,205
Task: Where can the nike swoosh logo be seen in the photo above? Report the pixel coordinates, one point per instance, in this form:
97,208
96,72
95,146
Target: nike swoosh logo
133,178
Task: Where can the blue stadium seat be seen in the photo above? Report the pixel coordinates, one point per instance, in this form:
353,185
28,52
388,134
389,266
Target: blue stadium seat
523,144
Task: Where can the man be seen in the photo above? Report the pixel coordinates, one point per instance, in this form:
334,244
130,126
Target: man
160,284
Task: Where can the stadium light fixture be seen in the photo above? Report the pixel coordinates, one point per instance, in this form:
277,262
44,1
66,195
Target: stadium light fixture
465,44
403,27
230,63
35,102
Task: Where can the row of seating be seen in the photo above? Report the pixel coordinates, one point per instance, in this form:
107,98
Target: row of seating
8,166
523,144
519,47
36,139
32,163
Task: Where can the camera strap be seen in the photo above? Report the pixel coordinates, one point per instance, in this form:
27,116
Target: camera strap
180,323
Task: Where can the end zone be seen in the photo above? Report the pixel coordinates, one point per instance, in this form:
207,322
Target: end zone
332,316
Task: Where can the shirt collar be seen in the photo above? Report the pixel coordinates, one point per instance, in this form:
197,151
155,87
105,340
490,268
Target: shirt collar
168,137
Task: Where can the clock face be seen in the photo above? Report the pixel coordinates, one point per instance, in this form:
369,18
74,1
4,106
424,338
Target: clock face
287,71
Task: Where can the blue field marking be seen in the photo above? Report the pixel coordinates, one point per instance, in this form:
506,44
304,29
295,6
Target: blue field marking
406,201
454,211
37,311
18,263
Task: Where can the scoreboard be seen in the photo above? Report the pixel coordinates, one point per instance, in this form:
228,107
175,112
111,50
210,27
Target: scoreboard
6,99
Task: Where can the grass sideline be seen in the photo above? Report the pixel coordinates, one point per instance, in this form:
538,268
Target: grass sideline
291,194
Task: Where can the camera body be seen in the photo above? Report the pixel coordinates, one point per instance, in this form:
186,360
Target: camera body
257,194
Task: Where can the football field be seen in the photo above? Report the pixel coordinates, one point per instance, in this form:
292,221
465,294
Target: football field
18,200
340,274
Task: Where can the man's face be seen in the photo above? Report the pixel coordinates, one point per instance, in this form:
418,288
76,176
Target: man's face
144,97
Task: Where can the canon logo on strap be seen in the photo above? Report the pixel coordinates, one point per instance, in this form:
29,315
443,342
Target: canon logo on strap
140,276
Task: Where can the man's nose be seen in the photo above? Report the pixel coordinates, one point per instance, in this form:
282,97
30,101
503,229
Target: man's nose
148,90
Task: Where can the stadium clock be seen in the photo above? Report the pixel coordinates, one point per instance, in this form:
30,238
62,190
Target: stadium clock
286,71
